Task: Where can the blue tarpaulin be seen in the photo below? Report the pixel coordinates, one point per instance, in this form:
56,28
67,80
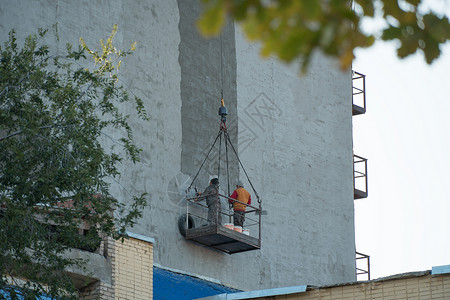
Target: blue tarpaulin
169,285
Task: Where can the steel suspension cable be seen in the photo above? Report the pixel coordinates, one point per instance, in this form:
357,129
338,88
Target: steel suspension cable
221,64
220,146
240,163
195,177
228,172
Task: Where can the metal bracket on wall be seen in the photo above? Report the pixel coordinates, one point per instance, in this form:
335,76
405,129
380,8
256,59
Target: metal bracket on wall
358,93
362,268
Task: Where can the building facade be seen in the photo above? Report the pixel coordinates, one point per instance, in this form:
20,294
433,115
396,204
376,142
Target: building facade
432,284
293,133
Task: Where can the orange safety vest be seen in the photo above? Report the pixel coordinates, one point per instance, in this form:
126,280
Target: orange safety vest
243,196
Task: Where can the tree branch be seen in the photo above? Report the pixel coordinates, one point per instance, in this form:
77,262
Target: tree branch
6,89
42,127
21,131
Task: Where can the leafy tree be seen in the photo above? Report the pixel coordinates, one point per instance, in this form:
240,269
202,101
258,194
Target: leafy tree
55,174
293,29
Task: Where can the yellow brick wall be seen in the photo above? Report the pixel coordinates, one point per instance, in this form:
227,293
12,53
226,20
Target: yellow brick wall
423,287
133,269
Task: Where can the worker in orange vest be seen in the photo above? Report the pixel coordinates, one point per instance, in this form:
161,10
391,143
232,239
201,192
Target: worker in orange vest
243,196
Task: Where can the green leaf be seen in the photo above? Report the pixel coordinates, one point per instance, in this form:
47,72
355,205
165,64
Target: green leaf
277,24
437,27
391,33
391,8
431,50
213,19
367,7
310,8
413,2
407,48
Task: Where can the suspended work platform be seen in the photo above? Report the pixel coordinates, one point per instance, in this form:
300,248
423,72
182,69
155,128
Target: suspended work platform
223,239
214,225
218,236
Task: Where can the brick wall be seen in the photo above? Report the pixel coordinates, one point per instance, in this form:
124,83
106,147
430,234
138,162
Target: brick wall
417,287
133,269
99,290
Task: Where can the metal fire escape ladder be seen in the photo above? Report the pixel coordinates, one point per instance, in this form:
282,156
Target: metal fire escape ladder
358,93
360,182
362,269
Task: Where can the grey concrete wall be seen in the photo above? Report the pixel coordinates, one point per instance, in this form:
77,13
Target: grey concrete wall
208,70
293,135
299,151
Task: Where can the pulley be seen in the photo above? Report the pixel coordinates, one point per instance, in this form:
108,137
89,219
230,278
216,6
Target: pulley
223,111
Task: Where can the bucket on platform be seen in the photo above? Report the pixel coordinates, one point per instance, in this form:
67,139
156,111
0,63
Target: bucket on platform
238,228
246,231
229,226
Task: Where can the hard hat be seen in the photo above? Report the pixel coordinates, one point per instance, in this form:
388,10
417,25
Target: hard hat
240,183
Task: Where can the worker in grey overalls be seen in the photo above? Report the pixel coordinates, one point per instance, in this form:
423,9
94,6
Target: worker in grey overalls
213,202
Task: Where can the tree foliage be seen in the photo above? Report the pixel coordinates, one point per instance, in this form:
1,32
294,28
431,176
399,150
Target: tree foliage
54,172
294,29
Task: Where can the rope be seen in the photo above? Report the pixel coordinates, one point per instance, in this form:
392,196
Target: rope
195,177
240,163
223,129
227,140
220,147
228,179
228,173
221,64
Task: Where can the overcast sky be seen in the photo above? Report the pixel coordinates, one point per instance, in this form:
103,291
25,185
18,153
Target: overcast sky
404,224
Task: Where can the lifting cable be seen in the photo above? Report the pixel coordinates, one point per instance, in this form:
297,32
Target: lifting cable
227,140
209,152
228,173
220,146
240,163
223,130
